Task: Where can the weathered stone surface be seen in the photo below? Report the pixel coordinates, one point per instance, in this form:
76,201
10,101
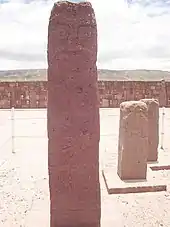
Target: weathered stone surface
163,94
153,128
73,116
33,94
133,140
115,185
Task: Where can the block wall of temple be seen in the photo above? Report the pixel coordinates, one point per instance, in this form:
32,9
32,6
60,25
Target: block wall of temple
111,93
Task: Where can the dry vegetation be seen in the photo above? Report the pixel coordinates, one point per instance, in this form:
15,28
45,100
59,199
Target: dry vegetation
103,74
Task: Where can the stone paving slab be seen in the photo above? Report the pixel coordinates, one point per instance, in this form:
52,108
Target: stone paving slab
115,185
163,162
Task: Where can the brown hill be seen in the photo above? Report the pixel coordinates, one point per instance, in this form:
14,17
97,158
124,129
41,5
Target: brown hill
103,74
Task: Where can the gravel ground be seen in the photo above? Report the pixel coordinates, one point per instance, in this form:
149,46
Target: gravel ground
24,194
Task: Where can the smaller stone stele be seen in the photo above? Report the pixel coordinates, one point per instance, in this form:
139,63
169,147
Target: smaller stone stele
153,128
133,140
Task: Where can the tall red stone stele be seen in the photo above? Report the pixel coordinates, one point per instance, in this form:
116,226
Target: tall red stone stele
73,116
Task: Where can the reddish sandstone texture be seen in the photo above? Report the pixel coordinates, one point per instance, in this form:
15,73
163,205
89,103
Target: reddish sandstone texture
153,128
133,140
73,116
163,99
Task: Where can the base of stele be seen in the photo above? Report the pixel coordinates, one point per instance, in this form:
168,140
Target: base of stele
163,162
115,185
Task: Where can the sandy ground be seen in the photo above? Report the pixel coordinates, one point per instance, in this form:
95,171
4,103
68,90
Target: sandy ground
24,193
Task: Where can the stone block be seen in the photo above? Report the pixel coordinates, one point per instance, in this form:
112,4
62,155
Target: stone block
153,128
115,185
133,140
73,116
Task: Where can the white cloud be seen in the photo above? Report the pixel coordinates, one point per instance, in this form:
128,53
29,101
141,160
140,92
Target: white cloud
128,37
23,29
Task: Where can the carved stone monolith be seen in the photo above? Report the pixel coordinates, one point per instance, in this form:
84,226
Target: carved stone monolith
73,116
153,128
133,140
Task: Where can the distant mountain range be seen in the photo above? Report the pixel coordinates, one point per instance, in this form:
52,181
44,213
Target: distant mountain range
103,74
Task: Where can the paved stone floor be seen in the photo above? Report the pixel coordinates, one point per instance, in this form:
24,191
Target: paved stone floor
24,194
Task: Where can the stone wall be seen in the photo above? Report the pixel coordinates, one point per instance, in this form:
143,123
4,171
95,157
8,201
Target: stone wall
111,93
23,94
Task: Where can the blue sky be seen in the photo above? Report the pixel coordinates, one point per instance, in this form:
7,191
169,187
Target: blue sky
131,35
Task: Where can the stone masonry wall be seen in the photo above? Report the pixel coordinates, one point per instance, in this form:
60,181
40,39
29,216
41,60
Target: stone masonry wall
112,93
